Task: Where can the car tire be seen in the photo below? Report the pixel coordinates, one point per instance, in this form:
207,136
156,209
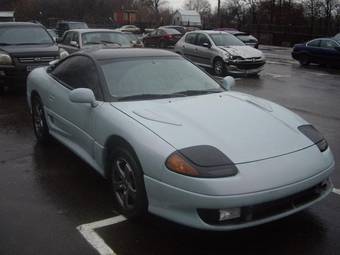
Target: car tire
39,121
218,67
127,183
304,60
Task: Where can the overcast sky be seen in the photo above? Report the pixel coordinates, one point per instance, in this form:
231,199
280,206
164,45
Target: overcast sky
178,4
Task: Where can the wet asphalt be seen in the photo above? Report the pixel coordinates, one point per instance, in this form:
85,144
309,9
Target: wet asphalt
46,192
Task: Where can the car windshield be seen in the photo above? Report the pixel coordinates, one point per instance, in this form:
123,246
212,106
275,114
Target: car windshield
153,78
224,39
105,38
24,35
246,38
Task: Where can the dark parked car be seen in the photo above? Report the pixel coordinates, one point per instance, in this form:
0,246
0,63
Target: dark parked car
74,40
162,38
63,26
180,29
247,38
23,47
324,51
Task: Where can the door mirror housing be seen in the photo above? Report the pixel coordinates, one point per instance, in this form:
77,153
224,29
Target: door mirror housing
83,96
58,40
207,45
74,44
228,82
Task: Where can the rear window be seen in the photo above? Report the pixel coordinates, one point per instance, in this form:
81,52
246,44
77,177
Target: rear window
79,25
22,35
171,31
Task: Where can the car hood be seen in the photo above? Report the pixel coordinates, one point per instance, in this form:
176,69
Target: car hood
29,50
243,127
243,51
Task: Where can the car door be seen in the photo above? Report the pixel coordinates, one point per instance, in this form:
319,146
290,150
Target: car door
188,46
330,55
67,40
313,50
202,50
73,122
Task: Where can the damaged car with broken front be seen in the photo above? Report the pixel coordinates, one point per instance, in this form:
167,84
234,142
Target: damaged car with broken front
222,52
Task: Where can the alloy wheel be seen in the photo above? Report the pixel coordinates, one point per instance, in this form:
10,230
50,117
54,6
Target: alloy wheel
124,184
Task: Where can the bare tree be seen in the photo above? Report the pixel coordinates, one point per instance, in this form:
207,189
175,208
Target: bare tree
312,11
201,6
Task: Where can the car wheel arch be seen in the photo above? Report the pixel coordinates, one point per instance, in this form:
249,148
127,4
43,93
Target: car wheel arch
113,142
215,59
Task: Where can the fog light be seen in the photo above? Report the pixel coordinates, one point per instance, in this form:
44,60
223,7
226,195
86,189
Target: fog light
228,214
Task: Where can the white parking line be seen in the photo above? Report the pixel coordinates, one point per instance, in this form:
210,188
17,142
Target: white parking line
336,191
88,232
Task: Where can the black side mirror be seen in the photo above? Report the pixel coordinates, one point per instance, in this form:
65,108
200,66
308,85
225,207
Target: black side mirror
337,48
207,45
58,40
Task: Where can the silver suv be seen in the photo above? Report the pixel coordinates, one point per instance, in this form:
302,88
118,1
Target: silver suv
221,51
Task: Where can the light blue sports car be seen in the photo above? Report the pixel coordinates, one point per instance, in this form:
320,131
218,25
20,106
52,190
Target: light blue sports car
176,143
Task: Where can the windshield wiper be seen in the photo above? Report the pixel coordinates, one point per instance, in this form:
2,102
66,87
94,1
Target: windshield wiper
150,96
197,92
32,43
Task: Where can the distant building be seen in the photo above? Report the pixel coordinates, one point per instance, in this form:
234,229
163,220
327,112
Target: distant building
125,17
6,16
187,18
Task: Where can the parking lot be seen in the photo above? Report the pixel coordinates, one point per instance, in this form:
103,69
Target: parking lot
47,194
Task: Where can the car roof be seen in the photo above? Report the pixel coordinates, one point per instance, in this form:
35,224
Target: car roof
64,21
21,24
104,53
209,32
89,30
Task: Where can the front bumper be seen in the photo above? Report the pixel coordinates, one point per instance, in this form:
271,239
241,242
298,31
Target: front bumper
244,67
182,206
15,76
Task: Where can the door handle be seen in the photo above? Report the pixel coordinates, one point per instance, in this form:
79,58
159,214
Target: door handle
183,46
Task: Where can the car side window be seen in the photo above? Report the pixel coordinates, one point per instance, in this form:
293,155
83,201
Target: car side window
201,39
79,72
190,38
76,37
67,38
329,44
315,43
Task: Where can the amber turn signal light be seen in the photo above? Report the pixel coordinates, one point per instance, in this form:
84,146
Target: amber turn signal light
178,164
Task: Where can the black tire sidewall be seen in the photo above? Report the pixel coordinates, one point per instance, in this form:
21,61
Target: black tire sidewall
45,137
141,205
304,61
223,68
